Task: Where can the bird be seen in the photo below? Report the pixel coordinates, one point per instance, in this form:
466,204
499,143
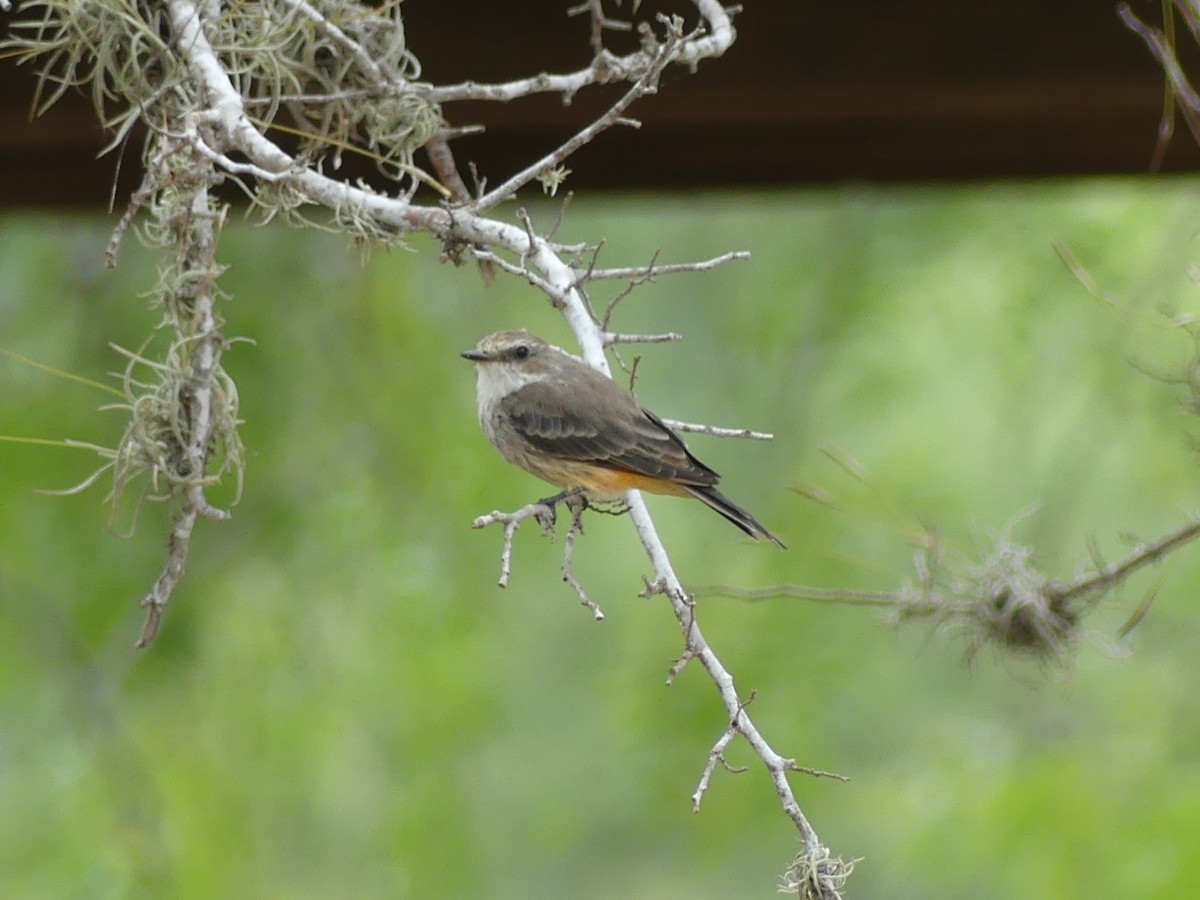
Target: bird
553,415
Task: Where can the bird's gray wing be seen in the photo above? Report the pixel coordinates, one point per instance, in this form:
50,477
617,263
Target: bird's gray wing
613,431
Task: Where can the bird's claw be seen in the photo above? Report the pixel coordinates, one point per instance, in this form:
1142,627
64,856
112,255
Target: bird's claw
575,501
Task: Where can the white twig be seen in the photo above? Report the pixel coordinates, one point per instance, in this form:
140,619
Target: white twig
646,84
545,516
600,22
362,59
648,273
719,432
605,68
332,97
568,573
522,271
639,275
698,647
612,337
512,521
716,755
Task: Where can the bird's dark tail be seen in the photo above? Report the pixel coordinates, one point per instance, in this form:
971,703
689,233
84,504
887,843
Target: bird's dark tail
733,513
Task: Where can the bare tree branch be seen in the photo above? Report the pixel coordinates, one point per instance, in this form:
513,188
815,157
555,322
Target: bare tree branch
716,755
1088,588
375,71
605,68
649,272
646,84
197,397
1001,600
717,431
568,573
600,23
1162,50
202,109
511,521
612,337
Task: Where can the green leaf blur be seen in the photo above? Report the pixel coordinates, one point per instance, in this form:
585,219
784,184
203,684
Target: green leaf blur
342,703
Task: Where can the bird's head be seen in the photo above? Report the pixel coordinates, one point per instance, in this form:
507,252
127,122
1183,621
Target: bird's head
517,350
508,360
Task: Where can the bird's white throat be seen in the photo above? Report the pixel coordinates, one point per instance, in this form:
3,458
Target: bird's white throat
496,380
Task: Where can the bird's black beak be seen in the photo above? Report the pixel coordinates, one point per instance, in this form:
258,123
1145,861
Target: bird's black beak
476,355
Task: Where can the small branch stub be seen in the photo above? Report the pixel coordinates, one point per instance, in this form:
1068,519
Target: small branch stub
512,521
568,574
544,513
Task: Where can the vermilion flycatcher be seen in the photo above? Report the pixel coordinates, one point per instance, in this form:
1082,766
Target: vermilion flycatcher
557,417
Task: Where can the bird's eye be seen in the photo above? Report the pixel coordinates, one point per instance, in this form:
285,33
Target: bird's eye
521,351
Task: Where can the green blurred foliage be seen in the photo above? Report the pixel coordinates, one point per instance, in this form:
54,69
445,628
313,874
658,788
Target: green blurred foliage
342,703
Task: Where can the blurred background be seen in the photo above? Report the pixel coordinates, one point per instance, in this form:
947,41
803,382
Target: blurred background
342,702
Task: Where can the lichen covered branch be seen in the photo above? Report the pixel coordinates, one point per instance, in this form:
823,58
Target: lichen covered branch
210,81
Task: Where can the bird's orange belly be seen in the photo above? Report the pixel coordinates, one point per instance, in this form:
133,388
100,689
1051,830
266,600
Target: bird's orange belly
604,483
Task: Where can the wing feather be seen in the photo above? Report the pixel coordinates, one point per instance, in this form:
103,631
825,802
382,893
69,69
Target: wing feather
617,433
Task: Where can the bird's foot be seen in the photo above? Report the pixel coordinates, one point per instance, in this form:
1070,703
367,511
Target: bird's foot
575,501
